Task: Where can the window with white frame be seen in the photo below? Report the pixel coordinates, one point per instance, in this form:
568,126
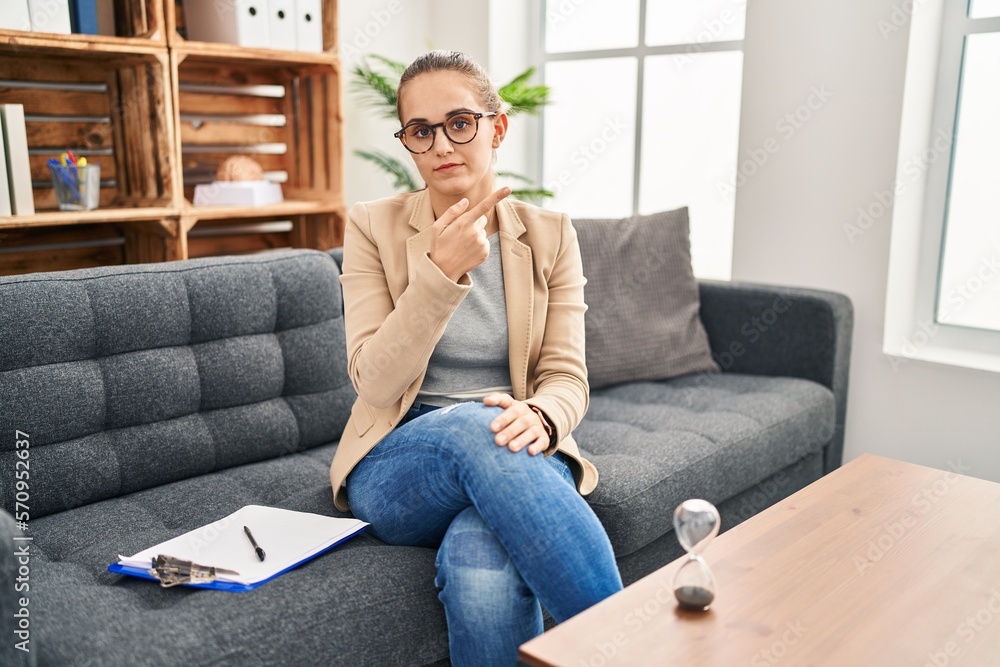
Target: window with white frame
967,293
943,295
645,113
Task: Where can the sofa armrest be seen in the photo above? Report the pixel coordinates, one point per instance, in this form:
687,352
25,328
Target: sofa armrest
338,256
9,598
775,330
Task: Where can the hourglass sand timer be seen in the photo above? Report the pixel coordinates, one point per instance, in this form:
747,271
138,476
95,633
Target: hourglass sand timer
696,523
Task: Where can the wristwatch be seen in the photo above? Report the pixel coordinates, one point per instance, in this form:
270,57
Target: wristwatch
549,431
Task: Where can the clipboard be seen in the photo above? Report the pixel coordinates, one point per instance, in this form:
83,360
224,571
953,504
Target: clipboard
219,556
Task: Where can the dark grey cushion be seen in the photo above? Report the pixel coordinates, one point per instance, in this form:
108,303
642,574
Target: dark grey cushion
700,436
133,376
642,319
363,603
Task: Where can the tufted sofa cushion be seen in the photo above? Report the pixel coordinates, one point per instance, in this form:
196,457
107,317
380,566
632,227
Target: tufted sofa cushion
363,603
131,377
706,435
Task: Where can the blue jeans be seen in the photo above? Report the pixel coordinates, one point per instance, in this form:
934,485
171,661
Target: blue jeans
512,531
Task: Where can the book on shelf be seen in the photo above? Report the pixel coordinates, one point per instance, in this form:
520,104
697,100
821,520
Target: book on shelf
5,208
15,15
93,17
50,16
18,165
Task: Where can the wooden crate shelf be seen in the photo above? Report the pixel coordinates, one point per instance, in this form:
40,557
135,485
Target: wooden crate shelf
174,23
13,42
139,26
111,110
289,207
159,113
64,218
28,250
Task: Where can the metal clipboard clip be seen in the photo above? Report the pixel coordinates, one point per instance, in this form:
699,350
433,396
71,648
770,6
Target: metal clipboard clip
172,571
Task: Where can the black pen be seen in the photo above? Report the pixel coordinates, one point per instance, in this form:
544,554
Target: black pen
260,552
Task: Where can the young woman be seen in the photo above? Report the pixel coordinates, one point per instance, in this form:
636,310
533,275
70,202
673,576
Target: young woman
465,334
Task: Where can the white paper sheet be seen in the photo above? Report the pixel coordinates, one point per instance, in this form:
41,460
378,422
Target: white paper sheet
287,537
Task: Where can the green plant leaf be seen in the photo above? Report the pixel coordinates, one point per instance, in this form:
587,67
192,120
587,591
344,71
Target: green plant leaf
394,66
376,89
523,98
516,177
390,165
534,195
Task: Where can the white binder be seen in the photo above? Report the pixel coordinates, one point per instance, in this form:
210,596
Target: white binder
15,15
310,25
50,16
242,22
5,208
283,24
22,196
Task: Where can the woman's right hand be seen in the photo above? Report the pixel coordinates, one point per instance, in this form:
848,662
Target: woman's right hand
458,241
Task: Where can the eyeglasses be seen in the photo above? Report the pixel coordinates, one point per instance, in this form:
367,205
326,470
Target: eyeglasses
460,128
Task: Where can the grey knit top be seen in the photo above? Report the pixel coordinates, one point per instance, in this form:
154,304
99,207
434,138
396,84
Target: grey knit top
472,360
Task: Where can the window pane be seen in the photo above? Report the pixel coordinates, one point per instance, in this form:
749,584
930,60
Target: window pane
694,21
589,143
690,141
572,25
980,9
969,288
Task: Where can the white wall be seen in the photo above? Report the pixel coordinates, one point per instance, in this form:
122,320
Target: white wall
396,29
792,210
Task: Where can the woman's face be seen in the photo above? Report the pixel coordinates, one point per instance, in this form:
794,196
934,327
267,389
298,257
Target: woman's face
450,168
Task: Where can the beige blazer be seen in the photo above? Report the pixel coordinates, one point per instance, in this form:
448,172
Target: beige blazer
397,303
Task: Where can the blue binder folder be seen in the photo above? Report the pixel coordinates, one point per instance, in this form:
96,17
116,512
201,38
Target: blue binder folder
288,538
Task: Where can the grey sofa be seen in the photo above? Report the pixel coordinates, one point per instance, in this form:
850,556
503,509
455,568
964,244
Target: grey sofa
157,398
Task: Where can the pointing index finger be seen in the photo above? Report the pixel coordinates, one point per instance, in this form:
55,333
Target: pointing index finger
485,205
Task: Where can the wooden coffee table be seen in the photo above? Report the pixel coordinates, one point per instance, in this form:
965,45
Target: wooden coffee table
878,563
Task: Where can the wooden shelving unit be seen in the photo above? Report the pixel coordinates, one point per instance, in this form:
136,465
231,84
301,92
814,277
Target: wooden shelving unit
159,113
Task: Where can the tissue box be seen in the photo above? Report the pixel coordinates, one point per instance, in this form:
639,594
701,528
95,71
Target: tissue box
238,193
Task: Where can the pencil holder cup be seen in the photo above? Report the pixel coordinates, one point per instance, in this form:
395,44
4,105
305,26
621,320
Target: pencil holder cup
77,188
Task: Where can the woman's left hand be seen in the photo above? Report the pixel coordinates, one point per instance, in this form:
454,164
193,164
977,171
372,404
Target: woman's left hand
518,426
